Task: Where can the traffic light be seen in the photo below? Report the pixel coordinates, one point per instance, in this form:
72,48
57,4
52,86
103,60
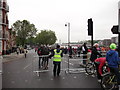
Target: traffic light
90,27
115,29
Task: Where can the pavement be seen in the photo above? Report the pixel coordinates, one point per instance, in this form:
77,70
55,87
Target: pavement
11,57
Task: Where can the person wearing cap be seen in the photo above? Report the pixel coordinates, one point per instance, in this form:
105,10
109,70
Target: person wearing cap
113,60
57,55
95,52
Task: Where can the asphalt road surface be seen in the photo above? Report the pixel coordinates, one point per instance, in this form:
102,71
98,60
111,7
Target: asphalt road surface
20,73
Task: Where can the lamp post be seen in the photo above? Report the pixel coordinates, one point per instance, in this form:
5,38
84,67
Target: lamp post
68,25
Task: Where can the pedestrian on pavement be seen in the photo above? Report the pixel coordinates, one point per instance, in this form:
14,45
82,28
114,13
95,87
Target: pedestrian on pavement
57,54
113,61
95,53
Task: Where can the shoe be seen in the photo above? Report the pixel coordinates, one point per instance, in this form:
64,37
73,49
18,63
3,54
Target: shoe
99,80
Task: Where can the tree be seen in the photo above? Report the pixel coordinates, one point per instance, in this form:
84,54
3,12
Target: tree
23,31
46,37
31,41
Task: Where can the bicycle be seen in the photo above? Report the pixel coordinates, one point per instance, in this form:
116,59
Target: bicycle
109,81
91,68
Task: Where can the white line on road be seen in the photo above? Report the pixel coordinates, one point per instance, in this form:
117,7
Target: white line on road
27,66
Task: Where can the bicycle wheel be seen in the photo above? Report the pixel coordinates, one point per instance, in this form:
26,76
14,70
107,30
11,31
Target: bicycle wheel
107,82
90,68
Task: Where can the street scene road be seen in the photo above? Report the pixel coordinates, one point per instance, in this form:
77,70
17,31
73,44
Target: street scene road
19,73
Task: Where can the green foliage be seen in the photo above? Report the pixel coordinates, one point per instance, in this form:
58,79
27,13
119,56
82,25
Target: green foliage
23,31
31,41
46,37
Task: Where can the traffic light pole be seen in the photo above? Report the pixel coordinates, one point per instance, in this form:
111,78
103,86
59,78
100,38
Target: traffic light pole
90,30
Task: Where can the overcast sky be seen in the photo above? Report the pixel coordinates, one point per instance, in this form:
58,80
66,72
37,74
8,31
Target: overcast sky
54,14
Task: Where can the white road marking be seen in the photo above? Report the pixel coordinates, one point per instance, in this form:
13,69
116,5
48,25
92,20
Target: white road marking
27,66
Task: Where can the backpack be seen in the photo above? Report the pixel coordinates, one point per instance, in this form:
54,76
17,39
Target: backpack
45,51
39,52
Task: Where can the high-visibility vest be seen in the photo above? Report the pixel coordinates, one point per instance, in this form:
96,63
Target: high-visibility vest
57,56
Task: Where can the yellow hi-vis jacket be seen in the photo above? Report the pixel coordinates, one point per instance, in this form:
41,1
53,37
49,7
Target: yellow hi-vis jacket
57,56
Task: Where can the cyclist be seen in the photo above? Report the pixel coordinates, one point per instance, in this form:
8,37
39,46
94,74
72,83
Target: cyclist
95,52
113,60
99,63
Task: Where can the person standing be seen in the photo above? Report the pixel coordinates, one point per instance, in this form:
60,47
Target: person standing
84,50
39,54
113,61
57,54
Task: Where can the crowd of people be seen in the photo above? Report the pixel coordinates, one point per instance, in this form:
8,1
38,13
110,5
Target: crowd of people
111,58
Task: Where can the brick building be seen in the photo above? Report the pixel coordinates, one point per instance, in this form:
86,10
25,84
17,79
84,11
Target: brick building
4,31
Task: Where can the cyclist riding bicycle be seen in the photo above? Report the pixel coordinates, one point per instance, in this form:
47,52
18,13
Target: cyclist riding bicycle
99,63
113,60
95,52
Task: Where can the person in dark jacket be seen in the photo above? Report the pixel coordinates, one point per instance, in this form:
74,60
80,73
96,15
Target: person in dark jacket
57,54
45,52
95,52
84,50
113,60
39,54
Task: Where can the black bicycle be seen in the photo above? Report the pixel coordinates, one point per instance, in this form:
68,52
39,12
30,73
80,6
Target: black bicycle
109,81
91,68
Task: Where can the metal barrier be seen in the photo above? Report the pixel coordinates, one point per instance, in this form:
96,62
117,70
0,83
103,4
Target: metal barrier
80,69
37,66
